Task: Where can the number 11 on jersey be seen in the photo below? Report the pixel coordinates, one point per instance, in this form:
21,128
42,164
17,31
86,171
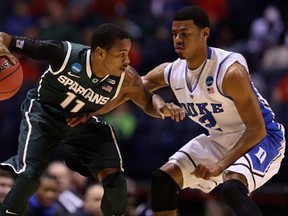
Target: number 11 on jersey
69,99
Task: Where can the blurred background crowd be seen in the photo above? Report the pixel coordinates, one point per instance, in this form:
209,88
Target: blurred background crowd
256,28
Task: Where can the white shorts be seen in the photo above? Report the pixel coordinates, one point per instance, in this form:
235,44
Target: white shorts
258,165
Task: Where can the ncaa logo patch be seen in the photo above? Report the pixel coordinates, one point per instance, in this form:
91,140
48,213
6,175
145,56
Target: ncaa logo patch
76,68
209,80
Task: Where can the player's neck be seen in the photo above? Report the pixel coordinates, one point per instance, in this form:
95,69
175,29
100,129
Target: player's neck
97,68
197,60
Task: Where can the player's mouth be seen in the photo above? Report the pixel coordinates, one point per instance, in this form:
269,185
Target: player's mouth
123,68
179,49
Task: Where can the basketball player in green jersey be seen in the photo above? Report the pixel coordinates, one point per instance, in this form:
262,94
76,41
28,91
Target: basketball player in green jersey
80,80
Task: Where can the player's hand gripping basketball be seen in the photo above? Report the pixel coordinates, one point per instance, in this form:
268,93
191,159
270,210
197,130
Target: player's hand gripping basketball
5,52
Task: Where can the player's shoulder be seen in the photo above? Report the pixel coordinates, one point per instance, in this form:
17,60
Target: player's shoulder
131,78
131,73
178,64
223,54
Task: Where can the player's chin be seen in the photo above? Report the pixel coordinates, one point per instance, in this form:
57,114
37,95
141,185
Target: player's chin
181,56
121,70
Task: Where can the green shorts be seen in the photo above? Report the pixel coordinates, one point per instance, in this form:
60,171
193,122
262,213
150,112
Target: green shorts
43,129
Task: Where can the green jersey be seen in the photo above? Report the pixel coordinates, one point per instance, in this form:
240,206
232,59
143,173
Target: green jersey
74,89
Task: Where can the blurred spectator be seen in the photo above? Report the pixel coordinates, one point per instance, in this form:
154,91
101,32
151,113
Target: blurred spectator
78,183
20,20
44,201
92,201
132,196
276,57
55,24
69,201
280,98
266,30
7,179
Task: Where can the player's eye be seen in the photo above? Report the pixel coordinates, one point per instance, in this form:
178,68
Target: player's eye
184,34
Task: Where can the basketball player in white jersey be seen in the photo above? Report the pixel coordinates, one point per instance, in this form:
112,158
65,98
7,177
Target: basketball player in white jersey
245,146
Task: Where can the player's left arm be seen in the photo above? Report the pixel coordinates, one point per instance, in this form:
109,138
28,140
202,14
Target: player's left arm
236,84
152,104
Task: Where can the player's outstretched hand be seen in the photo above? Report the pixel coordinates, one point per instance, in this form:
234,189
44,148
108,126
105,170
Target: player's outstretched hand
173,111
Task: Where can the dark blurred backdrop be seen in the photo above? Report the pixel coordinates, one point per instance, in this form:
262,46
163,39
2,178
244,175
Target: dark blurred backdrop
255,28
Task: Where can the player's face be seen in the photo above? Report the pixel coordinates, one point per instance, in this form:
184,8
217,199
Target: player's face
188,38
116,59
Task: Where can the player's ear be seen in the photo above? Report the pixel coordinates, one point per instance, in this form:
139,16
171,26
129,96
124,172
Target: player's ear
100,52
205,32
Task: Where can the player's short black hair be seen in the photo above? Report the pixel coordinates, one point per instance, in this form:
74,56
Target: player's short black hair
195,13
106,34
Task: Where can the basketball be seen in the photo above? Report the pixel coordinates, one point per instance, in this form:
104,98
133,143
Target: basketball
11,78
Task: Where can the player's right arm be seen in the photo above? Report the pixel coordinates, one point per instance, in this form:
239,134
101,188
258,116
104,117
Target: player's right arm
154,79
49,51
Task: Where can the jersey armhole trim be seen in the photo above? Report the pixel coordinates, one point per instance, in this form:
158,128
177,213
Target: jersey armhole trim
69,50
217,77
119,86
169,74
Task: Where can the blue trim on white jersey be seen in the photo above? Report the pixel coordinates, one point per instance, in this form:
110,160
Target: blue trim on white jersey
273,128
169,74
209,53
217,75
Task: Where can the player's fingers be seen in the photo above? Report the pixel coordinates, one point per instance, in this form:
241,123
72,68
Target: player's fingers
172,111
166,110
179,113
5,52
203,172
70,121
196,171
12,58
161,114
200,171
74,121
182,113
207,175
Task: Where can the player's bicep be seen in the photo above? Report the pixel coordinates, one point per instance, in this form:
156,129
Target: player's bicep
140,95
236,84
135,89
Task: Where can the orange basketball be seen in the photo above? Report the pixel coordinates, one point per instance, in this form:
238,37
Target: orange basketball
11,78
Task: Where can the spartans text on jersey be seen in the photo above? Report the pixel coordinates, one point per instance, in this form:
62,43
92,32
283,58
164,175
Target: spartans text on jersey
88,93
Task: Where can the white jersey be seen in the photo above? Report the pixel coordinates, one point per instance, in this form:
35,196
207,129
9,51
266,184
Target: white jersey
205,103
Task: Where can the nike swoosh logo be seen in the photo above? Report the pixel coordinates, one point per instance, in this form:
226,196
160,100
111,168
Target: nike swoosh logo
177,89
73,75
11,213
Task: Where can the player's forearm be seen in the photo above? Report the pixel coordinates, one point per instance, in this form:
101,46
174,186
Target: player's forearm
149,85
154,105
